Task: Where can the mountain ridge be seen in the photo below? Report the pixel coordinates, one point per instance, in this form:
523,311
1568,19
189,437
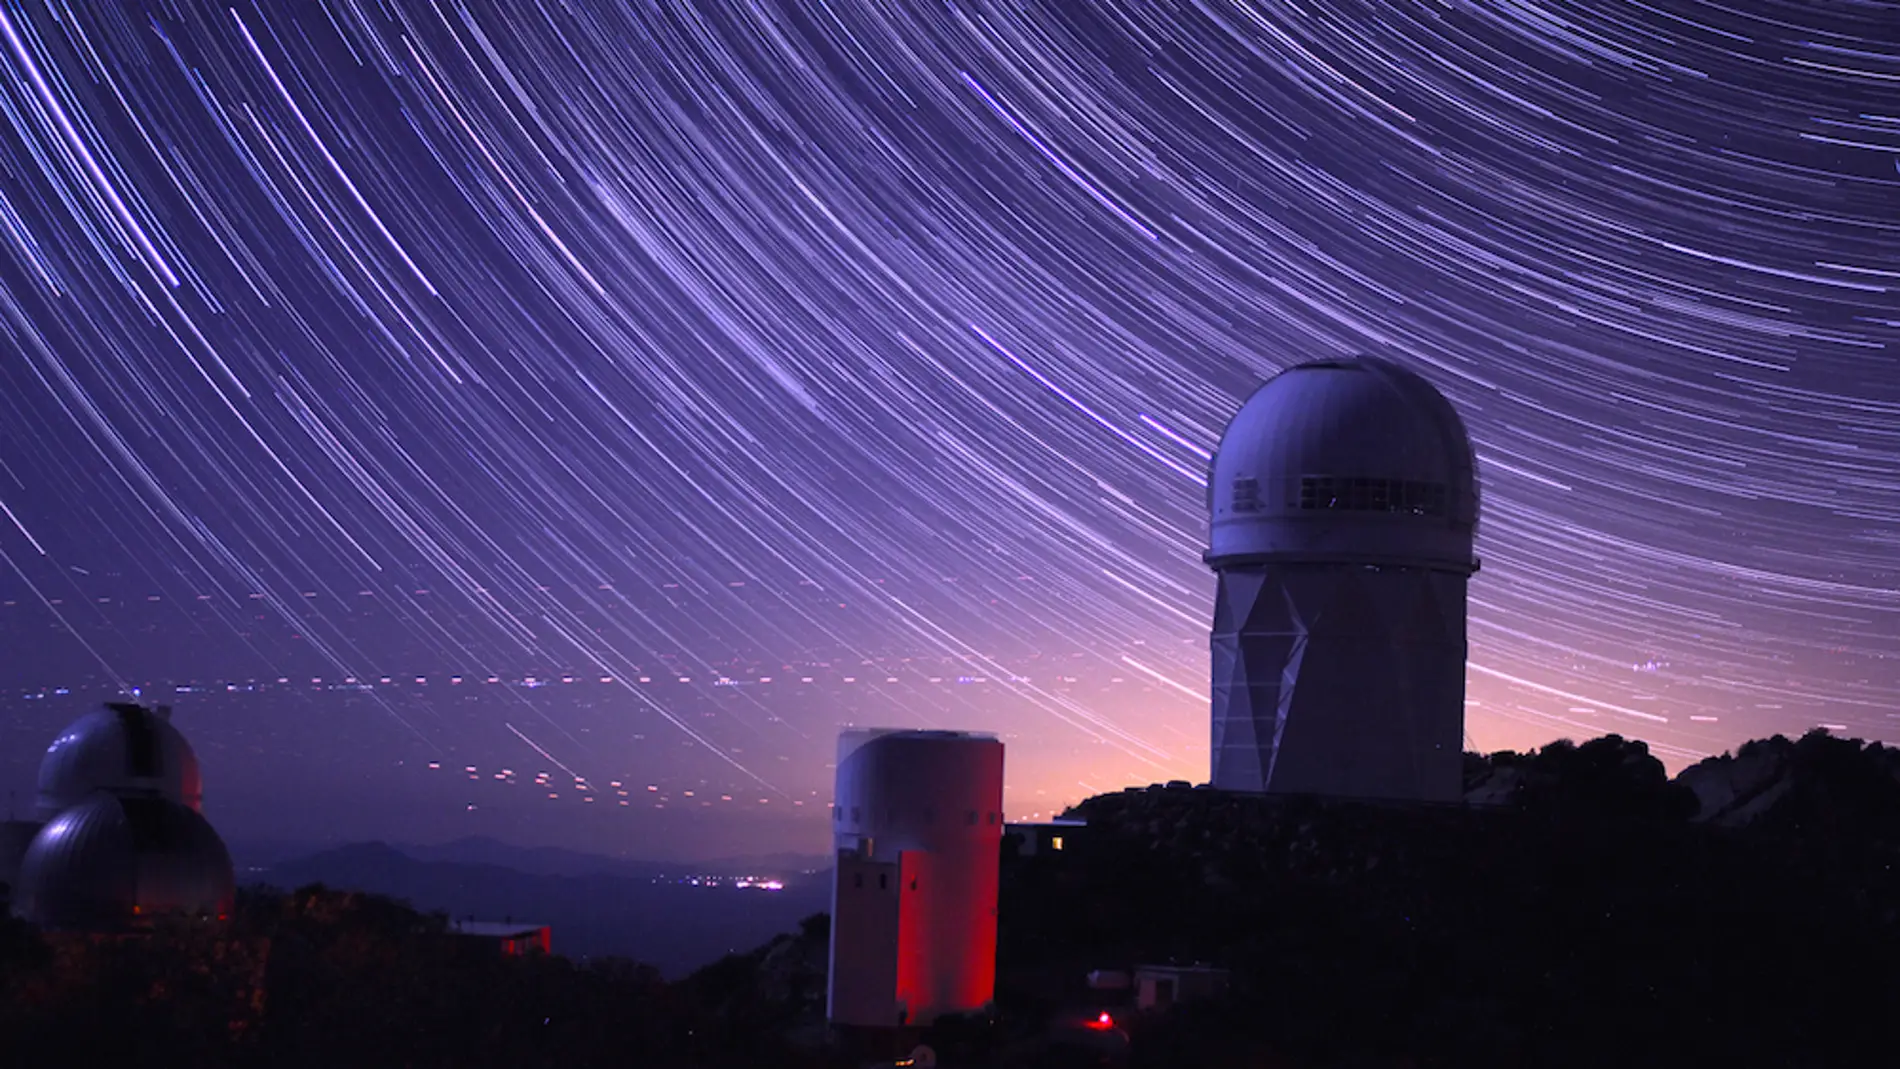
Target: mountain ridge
673,926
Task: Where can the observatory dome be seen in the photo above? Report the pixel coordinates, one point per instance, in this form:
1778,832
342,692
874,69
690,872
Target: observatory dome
1344,461
125,749
112,863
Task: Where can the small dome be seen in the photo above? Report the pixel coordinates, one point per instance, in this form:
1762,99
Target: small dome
1356,460
113,863
125,749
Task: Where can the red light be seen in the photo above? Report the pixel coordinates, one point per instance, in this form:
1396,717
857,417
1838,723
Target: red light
1102,1022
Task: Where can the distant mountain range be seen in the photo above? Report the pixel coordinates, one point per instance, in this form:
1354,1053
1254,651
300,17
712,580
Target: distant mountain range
596,906
554,861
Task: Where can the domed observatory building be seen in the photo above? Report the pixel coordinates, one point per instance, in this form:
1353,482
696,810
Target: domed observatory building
123,748
123,842
1343,505
114,863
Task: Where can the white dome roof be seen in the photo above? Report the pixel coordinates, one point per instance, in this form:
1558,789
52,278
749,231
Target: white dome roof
123,749
1356,460
111,863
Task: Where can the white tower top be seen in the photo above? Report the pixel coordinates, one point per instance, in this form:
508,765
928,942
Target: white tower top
1344,461
913,789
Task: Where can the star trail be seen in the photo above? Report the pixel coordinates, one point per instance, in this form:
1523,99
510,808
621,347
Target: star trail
355,339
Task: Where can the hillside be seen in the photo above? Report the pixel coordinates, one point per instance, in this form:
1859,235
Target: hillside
635,913
315,979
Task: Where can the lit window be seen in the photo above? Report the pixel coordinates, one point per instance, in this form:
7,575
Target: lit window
1055,843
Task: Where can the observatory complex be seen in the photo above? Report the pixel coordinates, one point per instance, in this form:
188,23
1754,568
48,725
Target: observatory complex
118,840
1343,503
918,819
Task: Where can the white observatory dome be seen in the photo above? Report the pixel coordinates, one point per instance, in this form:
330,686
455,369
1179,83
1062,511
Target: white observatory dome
123,749
114,863
1344,461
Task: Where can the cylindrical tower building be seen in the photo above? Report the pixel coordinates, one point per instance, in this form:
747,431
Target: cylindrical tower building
1343,505
918,818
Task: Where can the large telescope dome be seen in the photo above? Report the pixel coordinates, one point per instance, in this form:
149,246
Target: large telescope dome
124,749
1344,461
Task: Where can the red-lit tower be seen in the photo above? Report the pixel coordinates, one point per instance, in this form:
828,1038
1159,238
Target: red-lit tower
918,819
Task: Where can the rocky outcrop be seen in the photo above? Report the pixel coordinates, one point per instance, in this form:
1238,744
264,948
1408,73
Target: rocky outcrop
1734,789
1794,785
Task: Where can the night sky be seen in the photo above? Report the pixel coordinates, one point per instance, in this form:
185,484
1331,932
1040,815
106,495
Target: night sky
882,345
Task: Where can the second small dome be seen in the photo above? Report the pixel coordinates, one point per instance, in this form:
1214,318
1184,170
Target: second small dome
125,749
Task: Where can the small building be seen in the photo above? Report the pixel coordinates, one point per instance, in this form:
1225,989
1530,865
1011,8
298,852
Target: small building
1045,837
1158,987
509,939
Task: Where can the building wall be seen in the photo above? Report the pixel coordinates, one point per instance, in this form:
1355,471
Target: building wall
1339,680
539,941
1045,838
947,961
865,939
1157,988
917,955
